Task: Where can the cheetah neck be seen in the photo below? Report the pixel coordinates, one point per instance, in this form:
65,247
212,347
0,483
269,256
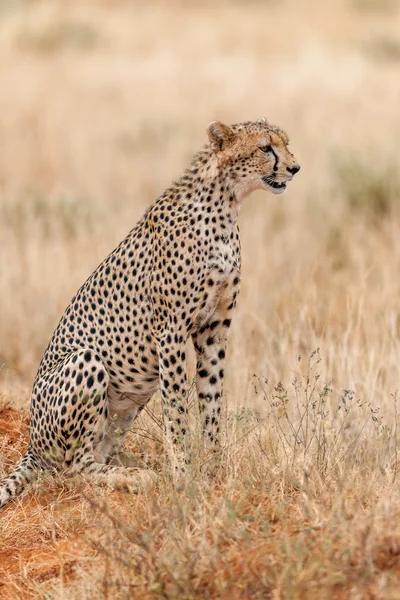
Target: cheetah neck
212,186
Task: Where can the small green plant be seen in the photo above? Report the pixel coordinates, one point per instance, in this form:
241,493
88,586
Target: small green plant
366,189
65,215
376,6
383,49
60,36
314,426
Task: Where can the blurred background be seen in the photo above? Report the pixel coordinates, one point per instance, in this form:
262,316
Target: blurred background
103,103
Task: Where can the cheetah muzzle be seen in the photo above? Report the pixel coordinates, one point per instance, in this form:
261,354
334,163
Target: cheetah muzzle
175,276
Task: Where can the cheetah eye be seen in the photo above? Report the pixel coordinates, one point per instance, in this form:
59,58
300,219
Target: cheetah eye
266,149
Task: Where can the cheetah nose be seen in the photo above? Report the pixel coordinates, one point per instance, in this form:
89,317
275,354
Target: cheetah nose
293,170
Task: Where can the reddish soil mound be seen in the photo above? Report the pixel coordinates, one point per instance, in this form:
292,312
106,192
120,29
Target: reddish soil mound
32,549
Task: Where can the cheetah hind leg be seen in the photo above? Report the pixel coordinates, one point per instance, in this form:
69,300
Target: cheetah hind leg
130,478
86,463
84,422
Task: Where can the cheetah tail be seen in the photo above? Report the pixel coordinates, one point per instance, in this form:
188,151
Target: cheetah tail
27,470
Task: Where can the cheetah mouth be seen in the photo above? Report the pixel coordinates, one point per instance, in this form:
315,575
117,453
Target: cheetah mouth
275,186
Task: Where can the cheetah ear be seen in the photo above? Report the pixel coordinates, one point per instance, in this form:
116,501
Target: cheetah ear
220,135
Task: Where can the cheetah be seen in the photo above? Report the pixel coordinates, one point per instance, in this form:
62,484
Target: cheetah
176,275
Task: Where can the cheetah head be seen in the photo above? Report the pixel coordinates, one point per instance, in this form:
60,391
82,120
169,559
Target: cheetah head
255,155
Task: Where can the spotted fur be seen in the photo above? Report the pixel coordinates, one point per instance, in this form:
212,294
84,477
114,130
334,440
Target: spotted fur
176,275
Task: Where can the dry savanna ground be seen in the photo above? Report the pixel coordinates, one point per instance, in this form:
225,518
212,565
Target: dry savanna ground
101,106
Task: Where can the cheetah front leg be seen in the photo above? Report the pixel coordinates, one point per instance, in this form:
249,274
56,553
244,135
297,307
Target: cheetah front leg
173,388
210,344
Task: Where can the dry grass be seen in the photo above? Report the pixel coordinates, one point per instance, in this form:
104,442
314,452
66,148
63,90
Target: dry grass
101,106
